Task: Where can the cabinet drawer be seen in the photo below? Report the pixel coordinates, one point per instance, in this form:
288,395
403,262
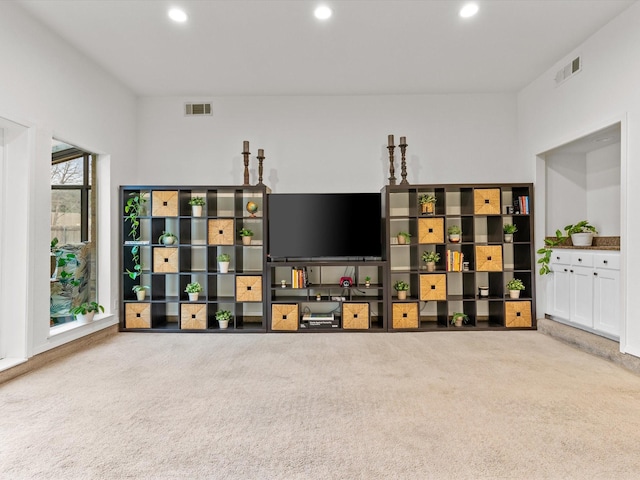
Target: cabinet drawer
607,260
582,258
560,257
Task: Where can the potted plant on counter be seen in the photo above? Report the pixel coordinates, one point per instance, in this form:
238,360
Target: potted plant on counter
581,233
401,287
514,286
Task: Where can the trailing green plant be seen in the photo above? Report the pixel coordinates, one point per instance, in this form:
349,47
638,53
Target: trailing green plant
581,227
133,209
223,315
454,230
245,232
400,286
139,288
549,243
509,228
515,284
224,257
193,287
196,201
427,198
430,256
406,235
86,307
456,315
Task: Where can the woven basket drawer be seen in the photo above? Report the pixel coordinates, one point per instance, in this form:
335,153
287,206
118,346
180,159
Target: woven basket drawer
164,203
137,315
248,288
486,201
355,316
193,316
517,314
165,259
221,231
284,317
489,258
431,230
405,315
433,287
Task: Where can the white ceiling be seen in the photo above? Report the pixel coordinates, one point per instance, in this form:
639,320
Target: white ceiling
277,47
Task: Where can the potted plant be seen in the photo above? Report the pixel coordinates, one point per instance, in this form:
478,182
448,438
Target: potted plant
167,238
427,203
246,235
581,233
141,291
193,289
85,311
509,229
514,286
367,281
454,233
223,262
196,206
401,287
430,258
223,317
403,238
458,318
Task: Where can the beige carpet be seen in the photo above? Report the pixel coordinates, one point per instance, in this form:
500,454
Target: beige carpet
472,405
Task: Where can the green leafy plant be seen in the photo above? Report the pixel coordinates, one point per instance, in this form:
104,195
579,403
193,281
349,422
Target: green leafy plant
459,315
430,256
581,227
62,260
86,307
549,243
427,198
406,235
193,287
196,201
133,209
167,235
401,286
454,230
367,278
245,232
515,284
224,257
509,228
223,315
139,288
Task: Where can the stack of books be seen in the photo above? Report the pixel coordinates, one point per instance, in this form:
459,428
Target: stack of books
521,205
298,277
454,261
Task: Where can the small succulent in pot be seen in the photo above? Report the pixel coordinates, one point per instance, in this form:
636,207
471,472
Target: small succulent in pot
193,287
167,238
196,201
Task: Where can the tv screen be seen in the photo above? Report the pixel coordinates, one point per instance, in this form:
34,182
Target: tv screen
309,225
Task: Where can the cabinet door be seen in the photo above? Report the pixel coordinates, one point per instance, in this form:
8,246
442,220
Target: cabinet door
606,301
559,300
582,295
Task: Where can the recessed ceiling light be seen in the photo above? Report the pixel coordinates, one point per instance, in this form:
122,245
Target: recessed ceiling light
469,10
322,12
177,15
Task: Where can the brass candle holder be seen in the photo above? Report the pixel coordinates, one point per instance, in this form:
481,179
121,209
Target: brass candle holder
403,171
260,160
246,153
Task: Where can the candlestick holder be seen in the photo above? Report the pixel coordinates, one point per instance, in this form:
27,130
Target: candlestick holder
246,154
403,170
260,160
392,173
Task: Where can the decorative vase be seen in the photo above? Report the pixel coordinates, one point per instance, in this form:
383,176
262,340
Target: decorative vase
197,210
246,240
141,294
402,294
431,266
582,239
224,267
483,291
508,237
193,296
367,284
514,293
223,324
454,238
85,318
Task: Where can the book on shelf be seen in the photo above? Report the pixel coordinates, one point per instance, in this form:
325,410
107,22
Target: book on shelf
136,242
298,277
454,261
521,205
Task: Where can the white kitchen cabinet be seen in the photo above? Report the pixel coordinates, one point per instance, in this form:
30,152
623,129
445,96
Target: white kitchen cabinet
585,290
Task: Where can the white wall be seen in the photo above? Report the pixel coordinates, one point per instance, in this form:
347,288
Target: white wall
331,144
603,189
566,186
57,92
604,93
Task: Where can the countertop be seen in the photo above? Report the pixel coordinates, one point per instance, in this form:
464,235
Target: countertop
599,243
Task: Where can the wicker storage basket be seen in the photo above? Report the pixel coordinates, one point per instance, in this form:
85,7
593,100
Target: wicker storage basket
517,314
431,230
489,258
486,201
248,288
405,315
221,231
164,203
193,316
433,287
137,315
165,259
355,316
284,317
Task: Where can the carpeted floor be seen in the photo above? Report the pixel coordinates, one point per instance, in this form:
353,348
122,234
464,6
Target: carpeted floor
472,405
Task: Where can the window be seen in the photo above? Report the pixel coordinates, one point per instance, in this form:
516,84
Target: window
72,230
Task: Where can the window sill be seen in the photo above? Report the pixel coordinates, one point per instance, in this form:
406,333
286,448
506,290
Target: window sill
99,322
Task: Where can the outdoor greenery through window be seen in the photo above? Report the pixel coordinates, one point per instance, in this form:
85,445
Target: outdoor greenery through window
73,250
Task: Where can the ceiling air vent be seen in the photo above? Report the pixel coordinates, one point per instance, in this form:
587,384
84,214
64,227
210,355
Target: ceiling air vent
569,70
197,109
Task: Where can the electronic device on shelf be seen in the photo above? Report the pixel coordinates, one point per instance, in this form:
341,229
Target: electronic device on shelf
346,282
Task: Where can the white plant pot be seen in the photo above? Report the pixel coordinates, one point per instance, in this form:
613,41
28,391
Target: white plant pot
582,239
224,267
196,210
246,240
483,291
193,296
514,293
223,324
454,238
141,294
508,237
85,318
168,240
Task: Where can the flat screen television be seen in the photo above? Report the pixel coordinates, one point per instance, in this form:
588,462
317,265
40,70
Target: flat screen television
330,225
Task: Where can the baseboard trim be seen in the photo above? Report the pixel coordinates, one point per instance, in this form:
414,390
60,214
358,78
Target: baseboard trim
56,353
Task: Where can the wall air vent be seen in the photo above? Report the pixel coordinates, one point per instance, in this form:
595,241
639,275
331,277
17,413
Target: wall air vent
197,109
569,70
